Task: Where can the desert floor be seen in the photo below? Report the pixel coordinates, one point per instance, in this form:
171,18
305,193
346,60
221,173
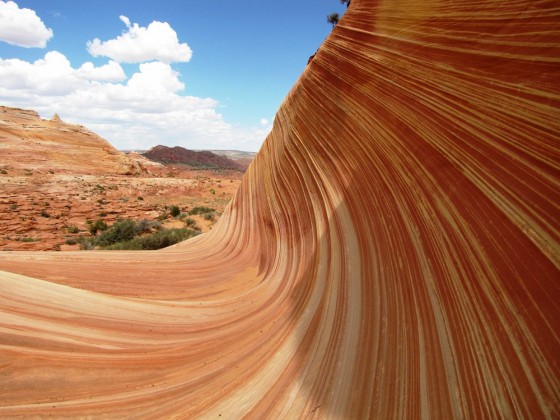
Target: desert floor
43,211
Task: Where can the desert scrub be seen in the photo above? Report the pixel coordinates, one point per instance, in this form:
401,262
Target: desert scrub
157,240
97,226
86,243
145,225
28,239
174,211
122,230
72,229
127,234
189,222
200,210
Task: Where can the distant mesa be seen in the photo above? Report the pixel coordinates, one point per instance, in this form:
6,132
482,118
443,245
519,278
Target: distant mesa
196,159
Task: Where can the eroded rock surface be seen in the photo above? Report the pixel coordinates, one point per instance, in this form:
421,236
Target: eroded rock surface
393,251
28,142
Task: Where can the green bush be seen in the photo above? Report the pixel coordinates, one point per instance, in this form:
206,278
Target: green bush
73,229
122,230
86,243
98,225
28,239
174,211
152,241
200,210
130,235
147,225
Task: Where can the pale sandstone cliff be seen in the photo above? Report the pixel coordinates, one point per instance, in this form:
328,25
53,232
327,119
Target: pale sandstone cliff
393,251
28,142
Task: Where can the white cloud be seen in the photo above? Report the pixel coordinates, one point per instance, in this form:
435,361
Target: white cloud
111,72
125,20
138,44
263,122
51,75
137,113
22,27
156,77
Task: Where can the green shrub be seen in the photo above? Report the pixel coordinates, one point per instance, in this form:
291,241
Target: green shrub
73,229
98,225
145,225
44,213
210,216
200,210
122,230
28,239
162,216
152,241
174,211
86,243
71,241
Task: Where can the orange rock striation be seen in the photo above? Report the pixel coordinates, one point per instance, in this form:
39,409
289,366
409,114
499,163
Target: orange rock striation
393,250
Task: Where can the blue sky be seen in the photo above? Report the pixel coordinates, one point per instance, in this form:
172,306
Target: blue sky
205,74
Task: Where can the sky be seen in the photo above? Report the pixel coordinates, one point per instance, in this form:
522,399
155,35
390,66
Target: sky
204,74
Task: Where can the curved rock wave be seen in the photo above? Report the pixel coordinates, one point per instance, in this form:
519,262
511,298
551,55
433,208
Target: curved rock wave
393,250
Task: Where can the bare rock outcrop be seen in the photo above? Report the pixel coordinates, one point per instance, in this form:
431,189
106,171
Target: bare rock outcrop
33,144
393,250
195,159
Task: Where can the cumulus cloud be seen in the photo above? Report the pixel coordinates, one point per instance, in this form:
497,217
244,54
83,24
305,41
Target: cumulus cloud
52,75
111,72
147,109
138,44
22,27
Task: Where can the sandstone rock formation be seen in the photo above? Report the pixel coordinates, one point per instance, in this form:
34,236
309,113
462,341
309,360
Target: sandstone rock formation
53,146
393,251
195,159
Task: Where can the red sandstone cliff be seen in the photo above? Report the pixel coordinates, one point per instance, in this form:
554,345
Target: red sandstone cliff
195,159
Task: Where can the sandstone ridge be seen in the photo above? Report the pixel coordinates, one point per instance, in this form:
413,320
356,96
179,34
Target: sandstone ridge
393,250
30,143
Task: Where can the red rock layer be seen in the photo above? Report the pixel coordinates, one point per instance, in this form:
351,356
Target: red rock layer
393,250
